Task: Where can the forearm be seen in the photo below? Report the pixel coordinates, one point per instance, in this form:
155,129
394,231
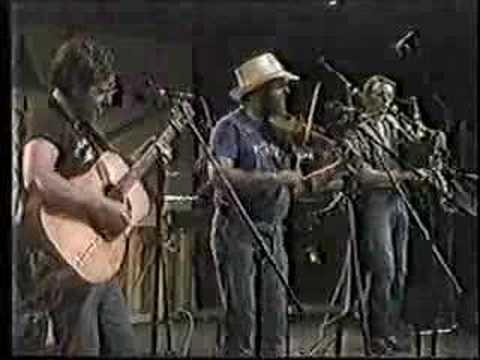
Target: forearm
368,176
321,180
58,194
249,182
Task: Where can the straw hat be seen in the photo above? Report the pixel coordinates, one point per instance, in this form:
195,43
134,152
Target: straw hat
256,72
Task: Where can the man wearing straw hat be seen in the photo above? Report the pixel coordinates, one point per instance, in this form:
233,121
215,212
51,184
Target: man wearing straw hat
258,166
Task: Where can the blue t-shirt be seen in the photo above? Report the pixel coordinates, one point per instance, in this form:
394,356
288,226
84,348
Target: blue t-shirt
250,145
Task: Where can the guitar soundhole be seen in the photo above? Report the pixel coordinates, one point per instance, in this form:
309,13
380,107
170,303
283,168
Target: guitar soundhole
108,189
113,192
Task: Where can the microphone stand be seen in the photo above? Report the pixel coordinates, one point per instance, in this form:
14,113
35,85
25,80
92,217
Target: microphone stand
162,249
438,256
244,215
426,234
352,249
350,279
156,268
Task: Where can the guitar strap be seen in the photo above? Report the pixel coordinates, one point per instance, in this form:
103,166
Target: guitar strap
84,129
80,125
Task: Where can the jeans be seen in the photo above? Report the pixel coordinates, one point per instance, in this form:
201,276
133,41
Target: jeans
94,321
382,229
247,281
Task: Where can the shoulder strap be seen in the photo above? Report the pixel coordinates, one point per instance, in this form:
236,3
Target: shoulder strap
82,127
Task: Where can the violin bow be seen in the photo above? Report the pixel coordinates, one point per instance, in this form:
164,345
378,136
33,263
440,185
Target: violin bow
311,112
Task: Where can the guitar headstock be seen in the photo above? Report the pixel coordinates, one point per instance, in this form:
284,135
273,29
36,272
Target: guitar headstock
181,113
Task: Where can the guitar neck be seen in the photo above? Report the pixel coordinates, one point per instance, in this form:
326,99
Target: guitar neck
159,149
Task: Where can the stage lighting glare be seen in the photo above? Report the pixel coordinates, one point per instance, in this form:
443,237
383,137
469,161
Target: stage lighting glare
333,4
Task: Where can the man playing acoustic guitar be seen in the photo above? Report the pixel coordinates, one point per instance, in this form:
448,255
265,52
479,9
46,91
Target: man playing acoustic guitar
88,319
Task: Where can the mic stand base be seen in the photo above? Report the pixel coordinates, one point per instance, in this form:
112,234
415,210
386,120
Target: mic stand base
350,272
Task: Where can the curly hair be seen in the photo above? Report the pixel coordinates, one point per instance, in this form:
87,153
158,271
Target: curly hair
80,62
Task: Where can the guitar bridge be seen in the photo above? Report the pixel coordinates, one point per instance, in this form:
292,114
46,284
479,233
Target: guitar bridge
80,259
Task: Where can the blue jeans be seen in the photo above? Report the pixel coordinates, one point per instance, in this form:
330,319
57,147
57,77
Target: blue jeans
382,229
94,321
238,265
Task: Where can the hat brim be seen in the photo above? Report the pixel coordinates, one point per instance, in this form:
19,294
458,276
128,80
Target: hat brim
239,92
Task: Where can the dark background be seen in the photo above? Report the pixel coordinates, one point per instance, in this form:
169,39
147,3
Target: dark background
215,37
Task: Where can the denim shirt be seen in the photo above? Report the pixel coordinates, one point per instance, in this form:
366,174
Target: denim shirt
250,145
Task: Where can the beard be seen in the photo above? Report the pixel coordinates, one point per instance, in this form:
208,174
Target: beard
275,106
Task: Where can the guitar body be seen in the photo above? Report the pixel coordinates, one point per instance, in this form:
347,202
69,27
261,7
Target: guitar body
95,259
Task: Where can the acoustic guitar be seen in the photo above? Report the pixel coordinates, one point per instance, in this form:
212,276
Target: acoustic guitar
95,258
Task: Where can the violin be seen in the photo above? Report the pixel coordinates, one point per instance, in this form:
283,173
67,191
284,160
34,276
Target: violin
296,131
312,145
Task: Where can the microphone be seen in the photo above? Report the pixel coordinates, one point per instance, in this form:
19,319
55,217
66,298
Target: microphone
337,105
407,43
416,108
350,87
355,90
166,92
176,94
321,60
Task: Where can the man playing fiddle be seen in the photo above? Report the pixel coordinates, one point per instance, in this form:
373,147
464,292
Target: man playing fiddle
257,162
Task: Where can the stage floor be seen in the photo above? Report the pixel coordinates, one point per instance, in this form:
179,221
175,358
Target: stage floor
461,343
